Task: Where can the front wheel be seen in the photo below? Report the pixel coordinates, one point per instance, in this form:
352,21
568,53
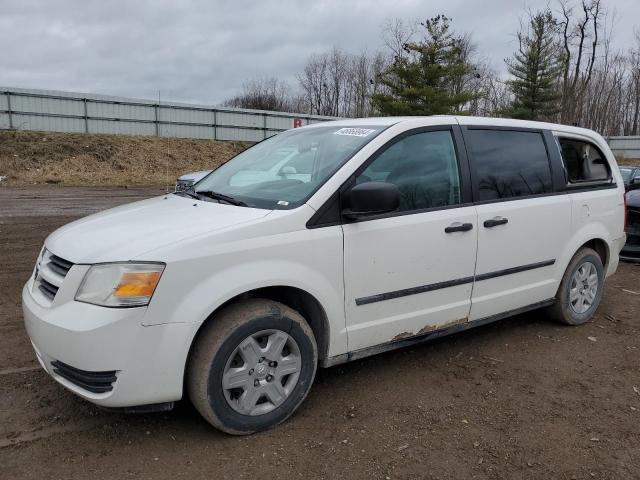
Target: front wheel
251,366
581,289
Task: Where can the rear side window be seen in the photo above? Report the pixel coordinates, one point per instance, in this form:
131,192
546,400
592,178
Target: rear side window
583,161
509,164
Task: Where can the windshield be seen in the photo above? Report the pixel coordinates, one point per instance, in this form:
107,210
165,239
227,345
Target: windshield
626,174
285,170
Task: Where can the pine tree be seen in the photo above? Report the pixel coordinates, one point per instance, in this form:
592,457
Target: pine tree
536,67
423,81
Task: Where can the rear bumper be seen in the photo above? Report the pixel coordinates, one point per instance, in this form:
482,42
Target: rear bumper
106,355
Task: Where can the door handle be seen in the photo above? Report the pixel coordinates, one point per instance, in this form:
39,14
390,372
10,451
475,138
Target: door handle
494,222
458,227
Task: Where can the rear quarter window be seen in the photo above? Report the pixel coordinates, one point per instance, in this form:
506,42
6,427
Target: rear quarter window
509,163
583,161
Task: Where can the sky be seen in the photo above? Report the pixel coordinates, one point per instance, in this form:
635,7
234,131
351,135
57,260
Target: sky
202,51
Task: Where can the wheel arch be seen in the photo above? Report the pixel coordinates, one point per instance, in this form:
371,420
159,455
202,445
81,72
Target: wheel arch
296,298
602,249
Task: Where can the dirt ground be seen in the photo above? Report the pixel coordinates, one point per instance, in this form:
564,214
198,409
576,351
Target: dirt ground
520,399
27,158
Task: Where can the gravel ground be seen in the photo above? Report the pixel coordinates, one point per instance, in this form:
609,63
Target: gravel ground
522,398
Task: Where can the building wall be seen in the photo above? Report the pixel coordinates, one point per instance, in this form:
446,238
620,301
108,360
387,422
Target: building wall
625,147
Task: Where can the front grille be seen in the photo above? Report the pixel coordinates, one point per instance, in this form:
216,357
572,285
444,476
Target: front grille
48,289
59,265
95,382
50,272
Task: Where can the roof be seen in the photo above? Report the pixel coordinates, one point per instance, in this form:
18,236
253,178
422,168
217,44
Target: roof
460,119
510,122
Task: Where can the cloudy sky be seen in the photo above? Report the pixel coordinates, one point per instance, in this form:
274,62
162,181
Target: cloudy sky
202,51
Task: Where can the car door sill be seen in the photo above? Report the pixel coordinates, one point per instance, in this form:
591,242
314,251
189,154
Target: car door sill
432,335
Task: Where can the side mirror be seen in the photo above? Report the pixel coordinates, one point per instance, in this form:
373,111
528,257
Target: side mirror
635,183
372,198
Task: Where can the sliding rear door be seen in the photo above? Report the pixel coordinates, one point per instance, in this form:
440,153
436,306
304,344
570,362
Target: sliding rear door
523,225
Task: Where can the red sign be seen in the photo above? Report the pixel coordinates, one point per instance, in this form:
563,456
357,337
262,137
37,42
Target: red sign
297,122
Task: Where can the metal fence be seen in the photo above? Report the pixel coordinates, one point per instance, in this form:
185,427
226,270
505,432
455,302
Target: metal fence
56,111
625,147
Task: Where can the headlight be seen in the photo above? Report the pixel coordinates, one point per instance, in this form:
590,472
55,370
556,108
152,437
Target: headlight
120,284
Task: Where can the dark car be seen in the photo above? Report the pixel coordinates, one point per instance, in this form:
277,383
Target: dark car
631,250
630,176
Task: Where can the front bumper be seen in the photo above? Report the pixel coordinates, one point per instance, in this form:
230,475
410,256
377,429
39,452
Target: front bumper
147,361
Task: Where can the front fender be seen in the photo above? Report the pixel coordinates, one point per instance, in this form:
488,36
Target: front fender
192,288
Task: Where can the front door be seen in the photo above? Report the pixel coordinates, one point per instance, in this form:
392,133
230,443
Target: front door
411,272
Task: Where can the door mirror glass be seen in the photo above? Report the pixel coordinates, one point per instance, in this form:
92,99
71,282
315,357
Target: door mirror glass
372,198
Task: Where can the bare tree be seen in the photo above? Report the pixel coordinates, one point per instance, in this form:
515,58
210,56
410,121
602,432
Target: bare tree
313,82
578,59
263,94
396,34
493,95
632,126
600,85
340,84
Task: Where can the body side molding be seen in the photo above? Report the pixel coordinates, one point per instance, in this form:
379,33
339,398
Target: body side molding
450,283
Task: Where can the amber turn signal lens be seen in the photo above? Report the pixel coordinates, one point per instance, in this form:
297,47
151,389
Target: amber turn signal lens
134,284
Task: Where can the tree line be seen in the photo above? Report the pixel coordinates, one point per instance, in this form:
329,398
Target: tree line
564,69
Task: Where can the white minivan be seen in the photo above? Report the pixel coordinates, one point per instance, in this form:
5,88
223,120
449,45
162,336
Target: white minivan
390,232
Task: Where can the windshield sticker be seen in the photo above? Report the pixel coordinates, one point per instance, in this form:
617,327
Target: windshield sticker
283,203
355,132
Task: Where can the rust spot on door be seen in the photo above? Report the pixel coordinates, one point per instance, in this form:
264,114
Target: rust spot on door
434,328
402,335
430,329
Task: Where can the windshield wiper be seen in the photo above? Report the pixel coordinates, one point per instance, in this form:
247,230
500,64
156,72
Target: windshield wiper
221,197
187,193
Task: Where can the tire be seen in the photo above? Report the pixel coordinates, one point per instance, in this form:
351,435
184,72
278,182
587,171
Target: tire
570,306
258,392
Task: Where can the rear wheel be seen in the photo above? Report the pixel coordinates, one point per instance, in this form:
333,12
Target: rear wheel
251,366
581,289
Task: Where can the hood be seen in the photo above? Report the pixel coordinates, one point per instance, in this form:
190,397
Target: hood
126,232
